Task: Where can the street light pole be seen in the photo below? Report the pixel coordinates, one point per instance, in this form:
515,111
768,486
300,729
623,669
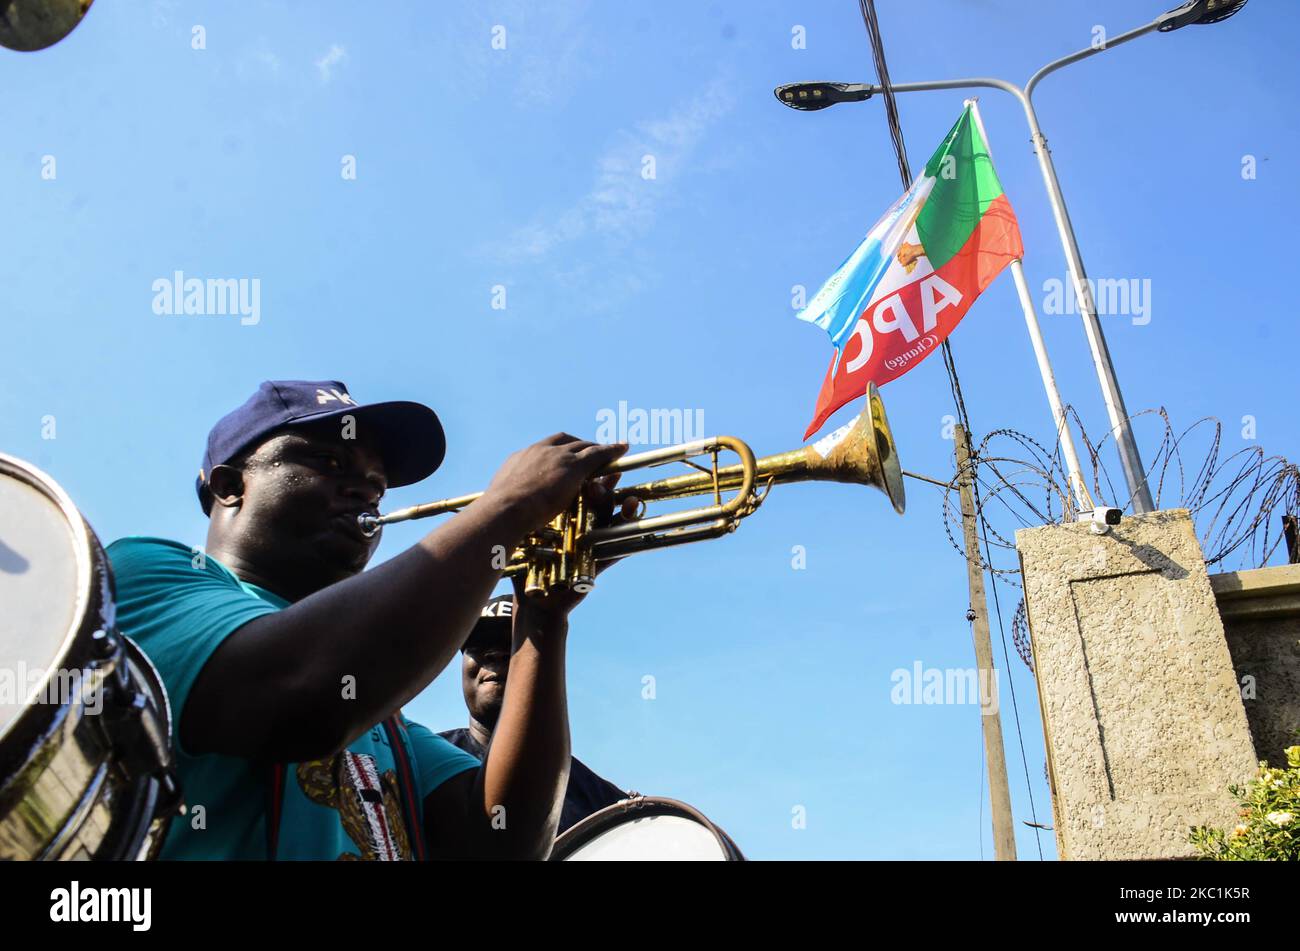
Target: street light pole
1116,411
813,96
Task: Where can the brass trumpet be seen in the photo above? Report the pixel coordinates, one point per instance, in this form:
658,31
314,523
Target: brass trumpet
568,549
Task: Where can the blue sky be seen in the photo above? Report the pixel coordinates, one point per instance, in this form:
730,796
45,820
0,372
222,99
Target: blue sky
521,168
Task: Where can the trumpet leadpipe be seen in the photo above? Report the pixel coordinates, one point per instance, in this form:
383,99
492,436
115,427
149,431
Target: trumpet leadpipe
371,523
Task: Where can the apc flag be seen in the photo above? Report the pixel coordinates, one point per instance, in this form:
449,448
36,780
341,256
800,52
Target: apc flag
912,279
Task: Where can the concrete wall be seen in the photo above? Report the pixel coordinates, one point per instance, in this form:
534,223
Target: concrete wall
1261,618
1144,721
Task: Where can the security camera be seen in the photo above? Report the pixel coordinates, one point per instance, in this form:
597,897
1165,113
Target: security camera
1101,518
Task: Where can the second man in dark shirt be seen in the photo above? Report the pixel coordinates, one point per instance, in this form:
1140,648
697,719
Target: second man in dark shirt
484,669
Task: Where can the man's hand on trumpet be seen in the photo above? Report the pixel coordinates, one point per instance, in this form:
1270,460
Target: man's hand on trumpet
553,606
540,481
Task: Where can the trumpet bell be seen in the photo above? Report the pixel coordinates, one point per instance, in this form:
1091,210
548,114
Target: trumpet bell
861,452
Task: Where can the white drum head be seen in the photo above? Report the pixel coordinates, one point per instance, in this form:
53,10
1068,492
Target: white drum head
646,829
44,577
652,839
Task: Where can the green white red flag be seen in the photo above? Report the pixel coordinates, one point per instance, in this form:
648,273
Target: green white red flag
908,284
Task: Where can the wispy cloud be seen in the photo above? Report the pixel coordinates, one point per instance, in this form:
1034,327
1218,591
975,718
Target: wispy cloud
622,204
325,65
257,61
162,11
549,48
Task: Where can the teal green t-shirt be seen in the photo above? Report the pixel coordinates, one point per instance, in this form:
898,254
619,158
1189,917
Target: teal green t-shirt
179,607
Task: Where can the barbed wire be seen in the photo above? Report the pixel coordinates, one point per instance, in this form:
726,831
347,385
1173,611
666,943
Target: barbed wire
1232,499
1020,635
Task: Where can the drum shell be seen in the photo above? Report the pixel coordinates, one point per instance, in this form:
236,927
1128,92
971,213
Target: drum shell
88,775
91,648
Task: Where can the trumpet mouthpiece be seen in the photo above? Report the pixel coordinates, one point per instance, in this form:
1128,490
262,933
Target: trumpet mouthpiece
369,524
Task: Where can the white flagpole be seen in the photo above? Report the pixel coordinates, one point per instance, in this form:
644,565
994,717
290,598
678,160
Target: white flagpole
1082,498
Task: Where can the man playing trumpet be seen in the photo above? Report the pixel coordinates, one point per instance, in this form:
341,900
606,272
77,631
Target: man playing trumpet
287,665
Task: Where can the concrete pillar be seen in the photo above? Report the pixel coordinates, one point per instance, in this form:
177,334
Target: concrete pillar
1142,713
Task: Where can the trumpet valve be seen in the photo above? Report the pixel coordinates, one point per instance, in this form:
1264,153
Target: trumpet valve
583,568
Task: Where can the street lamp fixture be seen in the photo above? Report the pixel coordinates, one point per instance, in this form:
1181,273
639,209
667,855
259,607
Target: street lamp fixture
809,97
1199,13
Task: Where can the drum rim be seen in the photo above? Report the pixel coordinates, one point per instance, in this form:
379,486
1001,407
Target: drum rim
581,833
145,836
134,653
84,549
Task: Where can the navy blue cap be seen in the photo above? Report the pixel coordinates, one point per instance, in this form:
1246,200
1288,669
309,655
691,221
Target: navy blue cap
495,620
408,436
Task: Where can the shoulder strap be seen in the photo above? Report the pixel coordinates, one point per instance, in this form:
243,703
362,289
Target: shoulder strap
412,807
274,803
